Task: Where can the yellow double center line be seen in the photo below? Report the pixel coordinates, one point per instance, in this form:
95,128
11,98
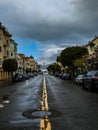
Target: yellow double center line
45,123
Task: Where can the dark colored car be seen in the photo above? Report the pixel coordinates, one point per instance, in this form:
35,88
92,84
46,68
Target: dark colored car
26,76
90,80
61,75
66,76
79,79
35,74
30,75
57,74
18,77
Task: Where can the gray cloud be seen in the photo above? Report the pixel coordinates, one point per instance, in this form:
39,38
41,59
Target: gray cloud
56,22
50,19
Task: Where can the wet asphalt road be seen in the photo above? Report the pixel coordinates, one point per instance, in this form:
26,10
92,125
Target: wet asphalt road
78,108
23,96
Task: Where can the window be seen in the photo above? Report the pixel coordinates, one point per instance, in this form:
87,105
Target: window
0,49
7,41
1,37
1,61
11,53
7,52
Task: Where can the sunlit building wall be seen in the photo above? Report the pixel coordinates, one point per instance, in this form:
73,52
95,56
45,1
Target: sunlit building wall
21,63
92,45
8,49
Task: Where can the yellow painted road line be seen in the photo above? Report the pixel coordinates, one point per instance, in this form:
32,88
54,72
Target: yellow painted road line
42,124
45,123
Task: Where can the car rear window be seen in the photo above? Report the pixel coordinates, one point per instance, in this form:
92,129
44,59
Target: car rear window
92,73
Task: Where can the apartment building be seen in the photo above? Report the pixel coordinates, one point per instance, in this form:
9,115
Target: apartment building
36,66
26,64
21,63
92,59
31,65
92,45
8,49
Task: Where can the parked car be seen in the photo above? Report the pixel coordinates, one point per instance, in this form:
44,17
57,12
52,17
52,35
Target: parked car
30,75
18,77
26,76
79,79
51,73
90,80
35,74
66,76
57,74
61,75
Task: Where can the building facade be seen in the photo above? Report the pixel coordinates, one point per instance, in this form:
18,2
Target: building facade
8,49
92,45
31,65
92,59
21,63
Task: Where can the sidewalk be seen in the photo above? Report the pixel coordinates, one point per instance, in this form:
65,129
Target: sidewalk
5,82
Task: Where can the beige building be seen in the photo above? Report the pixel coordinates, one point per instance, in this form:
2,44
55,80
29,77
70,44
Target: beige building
92,58
31,64
21,63
8,49
26,64
35,66
92,45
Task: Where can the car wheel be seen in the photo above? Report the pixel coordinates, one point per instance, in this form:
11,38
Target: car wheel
90,87
83,85
78,84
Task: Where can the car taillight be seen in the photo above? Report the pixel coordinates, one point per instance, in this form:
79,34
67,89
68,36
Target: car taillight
95,78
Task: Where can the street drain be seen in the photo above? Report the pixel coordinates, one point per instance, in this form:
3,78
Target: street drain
41,114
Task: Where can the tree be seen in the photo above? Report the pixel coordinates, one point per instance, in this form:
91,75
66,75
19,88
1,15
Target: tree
54,68
79,62
58,59
10,65
70,54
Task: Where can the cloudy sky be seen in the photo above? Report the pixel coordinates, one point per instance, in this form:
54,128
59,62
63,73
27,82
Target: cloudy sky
43,28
